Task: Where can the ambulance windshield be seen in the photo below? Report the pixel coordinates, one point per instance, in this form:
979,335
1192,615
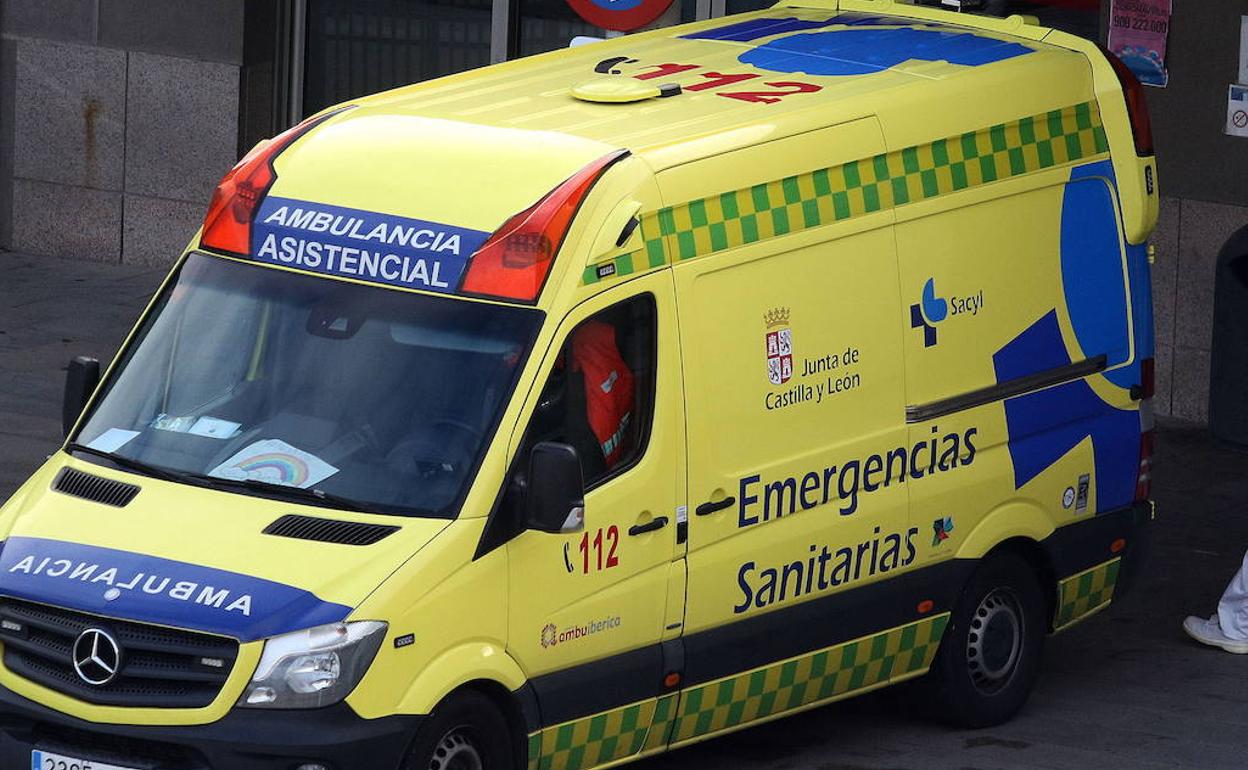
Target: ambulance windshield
284,385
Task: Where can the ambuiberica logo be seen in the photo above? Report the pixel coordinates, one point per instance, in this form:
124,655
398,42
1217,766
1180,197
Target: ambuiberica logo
552,636
931,310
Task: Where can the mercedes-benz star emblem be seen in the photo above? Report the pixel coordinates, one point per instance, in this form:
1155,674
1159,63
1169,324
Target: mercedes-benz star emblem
97,657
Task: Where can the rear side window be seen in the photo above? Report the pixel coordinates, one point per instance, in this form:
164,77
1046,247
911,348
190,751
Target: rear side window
599,397
1094,271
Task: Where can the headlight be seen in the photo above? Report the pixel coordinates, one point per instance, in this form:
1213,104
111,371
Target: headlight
312,668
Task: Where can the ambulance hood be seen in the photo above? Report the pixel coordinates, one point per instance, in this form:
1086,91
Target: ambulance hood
193,558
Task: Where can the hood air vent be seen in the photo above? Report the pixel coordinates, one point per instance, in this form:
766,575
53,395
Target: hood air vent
94,488
329,530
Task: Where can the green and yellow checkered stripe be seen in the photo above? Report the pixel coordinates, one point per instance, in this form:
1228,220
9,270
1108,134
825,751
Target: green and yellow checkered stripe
819,676
603,738
861,187
1085,593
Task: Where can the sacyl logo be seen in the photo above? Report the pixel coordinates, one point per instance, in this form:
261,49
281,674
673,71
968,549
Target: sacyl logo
931,310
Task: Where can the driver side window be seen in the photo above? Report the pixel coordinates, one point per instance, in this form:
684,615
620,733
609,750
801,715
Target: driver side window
599,397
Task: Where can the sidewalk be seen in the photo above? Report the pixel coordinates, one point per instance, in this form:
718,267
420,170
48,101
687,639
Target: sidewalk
1125,689
50,311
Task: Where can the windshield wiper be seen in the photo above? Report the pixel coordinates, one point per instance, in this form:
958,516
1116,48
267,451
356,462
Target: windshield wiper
294,494
126,463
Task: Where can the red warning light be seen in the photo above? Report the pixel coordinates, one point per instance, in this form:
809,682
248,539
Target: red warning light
514,262
227,226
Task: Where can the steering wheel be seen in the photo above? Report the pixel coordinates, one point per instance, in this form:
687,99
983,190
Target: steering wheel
437,455
473,432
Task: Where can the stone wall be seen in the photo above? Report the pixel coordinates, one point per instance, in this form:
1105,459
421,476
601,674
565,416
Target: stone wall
1189,236
117,118
1203,176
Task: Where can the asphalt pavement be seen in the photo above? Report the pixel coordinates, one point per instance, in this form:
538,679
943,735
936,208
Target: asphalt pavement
1126,689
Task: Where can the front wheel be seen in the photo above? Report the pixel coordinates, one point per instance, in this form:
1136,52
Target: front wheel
989,658
466,732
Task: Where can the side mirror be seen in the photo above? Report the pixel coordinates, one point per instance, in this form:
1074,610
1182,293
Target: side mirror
81,379
555,500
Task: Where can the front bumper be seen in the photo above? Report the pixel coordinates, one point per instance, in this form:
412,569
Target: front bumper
245,739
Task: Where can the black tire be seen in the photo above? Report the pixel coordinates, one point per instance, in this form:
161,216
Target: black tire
990,654
465,732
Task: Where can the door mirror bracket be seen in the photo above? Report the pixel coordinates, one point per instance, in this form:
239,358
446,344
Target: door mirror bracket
555,499
81,378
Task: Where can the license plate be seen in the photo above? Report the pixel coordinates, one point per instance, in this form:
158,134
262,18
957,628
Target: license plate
46,760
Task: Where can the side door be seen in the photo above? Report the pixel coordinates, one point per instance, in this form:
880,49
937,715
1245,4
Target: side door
797,455
798,447
589,610
1021,365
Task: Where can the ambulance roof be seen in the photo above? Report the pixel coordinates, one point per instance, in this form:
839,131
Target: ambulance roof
759,76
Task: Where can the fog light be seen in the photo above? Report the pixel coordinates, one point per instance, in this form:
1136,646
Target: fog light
312,766
262,695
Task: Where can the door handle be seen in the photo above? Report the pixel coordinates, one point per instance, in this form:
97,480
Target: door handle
706,509
650,526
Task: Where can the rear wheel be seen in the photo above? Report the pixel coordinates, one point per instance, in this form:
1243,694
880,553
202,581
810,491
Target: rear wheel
465,732
990,655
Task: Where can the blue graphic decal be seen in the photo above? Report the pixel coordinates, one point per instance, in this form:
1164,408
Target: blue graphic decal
864,51
363,245
928,312
745,31
935,308
1092,270
1043,426
616,5
149,589
754,29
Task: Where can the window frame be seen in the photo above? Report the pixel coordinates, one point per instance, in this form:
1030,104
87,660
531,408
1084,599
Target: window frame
505,519
646,403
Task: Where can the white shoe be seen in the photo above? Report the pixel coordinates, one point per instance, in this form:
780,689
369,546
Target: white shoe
1210,632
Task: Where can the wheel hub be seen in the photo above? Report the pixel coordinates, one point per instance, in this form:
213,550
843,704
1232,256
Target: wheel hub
456,752
995,640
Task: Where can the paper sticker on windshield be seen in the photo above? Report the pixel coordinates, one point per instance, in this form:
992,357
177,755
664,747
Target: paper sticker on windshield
112,439
364,245
275,462
214,427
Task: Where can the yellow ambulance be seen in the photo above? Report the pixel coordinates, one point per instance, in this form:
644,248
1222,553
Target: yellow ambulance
564,412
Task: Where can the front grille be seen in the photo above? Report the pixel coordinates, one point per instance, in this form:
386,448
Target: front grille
160,667
94,488
329,530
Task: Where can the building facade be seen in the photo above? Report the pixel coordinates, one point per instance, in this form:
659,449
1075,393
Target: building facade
118,117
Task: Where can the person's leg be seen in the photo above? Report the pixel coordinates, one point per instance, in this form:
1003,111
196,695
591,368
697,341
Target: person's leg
1228,628
1233,609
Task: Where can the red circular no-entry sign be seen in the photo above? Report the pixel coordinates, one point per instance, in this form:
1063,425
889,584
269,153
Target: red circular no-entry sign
620,15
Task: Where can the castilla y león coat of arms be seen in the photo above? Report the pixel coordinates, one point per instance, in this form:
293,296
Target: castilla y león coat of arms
779,346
